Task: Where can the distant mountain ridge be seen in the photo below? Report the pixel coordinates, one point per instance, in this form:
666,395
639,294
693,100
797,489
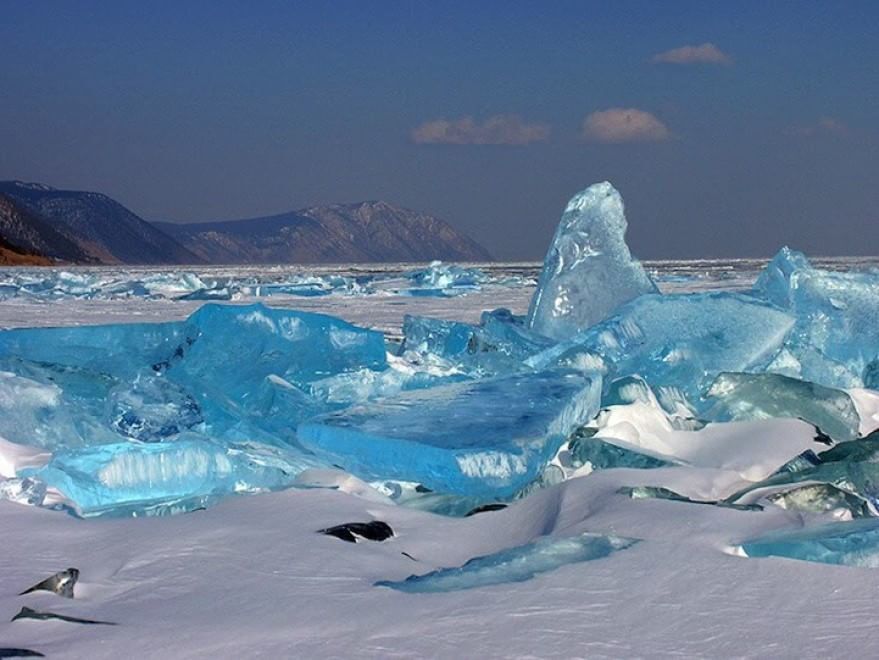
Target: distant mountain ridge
372,231
26,234
101,229
38,222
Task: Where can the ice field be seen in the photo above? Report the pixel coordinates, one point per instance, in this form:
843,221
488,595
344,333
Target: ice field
590,457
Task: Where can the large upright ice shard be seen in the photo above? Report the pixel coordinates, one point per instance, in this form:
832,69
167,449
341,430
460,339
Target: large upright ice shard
588,271
486,438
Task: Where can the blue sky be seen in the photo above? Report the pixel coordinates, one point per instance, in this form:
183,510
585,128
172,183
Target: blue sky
489,114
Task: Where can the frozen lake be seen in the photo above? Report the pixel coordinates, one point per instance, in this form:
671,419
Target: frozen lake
611,563
96,295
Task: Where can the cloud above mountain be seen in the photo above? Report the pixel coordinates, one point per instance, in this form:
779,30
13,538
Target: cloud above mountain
624,125
706,53
824,126
497,130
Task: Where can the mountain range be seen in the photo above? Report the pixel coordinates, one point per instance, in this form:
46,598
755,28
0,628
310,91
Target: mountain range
39,224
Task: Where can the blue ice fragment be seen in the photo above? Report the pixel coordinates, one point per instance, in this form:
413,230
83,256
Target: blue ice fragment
152,408
678,343
600,455
836,338
500,344
774,283
364,385
446,276
851,466
139,477
236,349
588,271
485,438
448,340
514,565
208,294
240,371
509,333
854,543
823,499
51,406
121,350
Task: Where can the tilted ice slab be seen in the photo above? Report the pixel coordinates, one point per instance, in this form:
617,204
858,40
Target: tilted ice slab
678,343
514,565
483,438
588,271
764,396
854,543
823,499
836,338
852,466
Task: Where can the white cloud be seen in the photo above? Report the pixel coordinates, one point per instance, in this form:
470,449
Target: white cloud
624,125
706,53
499,129
824,126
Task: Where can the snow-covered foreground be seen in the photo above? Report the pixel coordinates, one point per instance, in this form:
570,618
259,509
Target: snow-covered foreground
251,578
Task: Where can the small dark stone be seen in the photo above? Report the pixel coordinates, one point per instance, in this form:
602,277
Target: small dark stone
494,506
28,613
822,437
61,583
9,652
352,532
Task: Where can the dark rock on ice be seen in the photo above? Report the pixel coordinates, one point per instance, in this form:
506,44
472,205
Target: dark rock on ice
485,508
61,583
354,532
11,652
28,613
